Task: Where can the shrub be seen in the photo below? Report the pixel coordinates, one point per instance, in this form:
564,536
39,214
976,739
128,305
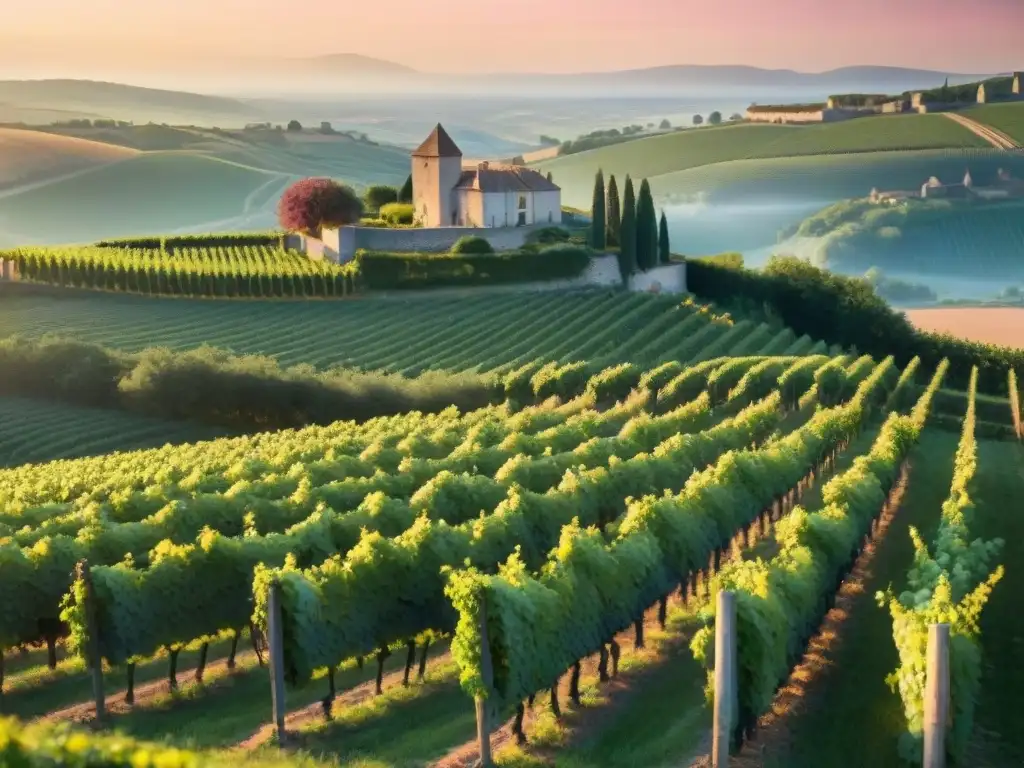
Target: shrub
379,195
472,244
397,271
398,213
549,236
311,204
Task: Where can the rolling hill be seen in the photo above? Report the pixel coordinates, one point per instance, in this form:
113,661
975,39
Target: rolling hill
29,156
671,153
152,178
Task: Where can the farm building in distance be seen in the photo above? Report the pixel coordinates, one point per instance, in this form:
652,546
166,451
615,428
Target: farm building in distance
1003,187
844,107
446,193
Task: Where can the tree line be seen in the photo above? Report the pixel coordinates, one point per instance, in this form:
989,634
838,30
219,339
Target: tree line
631,225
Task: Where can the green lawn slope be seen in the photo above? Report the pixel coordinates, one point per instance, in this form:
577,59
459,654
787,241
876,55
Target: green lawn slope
1008,118
151,192
659,155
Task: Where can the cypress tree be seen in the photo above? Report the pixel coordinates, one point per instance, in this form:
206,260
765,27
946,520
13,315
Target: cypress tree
627,233
597,226
663,249
614,212
549,178
646,229
405,193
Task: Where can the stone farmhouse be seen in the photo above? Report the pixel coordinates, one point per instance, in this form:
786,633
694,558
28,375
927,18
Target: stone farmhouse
833,110
446,193
1003,187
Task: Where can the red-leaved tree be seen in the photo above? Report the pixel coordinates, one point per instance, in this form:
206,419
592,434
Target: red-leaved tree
311,204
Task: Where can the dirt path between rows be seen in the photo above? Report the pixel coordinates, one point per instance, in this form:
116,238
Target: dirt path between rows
811,675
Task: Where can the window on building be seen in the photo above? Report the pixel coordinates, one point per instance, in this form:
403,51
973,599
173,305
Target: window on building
522,202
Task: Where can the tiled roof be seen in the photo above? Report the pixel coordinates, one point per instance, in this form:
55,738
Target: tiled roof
511,178
438,144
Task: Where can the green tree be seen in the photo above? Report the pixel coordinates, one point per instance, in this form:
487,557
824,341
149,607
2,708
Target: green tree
405,193
646,229
715,118
294,125
627,233
379,195
614,223
597,211
665,124
698,120
550,178
664,254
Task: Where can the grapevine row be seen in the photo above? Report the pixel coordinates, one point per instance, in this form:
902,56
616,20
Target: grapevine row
950,582
538,625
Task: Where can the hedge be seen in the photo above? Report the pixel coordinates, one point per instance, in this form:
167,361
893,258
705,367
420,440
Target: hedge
847,312
206,240
211,386
382,271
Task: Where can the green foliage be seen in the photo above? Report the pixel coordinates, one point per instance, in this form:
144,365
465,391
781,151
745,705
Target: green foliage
549,236
542,621
949,582
472,244
398,213
377,196
45,746
405,193
211,386
646,229
847,312
337,610
597,214
628,257
715,118
399,271
664,251
614,218
176,269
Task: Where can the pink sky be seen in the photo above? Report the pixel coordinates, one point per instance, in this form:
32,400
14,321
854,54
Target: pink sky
533,35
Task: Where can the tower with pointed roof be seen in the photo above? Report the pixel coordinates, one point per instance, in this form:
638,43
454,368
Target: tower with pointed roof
436,168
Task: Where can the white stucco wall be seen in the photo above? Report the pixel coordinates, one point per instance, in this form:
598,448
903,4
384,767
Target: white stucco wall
470,207
547,208
433,179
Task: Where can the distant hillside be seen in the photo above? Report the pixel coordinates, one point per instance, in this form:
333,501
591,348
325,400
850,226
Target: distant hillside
675,152
88,98
28,156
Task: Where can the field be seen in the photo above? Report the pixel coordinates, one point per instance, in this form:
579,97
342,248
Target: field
1008,118
761,425
30,156
672,153
406,335
991,325
166,179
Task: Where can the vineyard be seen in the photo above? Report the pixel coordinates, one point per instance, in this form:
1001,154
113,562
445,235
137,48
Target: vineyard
417,334
381,593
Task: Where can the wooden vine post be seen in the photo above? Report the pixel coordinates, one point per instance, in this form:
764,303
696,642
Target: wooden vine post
483,719
275,639
936,696
95,661
726,704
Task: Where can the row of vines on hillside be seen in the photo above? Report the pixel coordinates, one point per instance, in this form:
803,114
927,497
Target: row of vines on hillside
535,624
948,582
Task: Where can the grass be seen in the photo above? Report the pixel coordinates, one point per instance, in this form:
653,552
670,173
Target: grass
32,431
671,153
408,335
151,192
1008,118
998,487
852,711
30,156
